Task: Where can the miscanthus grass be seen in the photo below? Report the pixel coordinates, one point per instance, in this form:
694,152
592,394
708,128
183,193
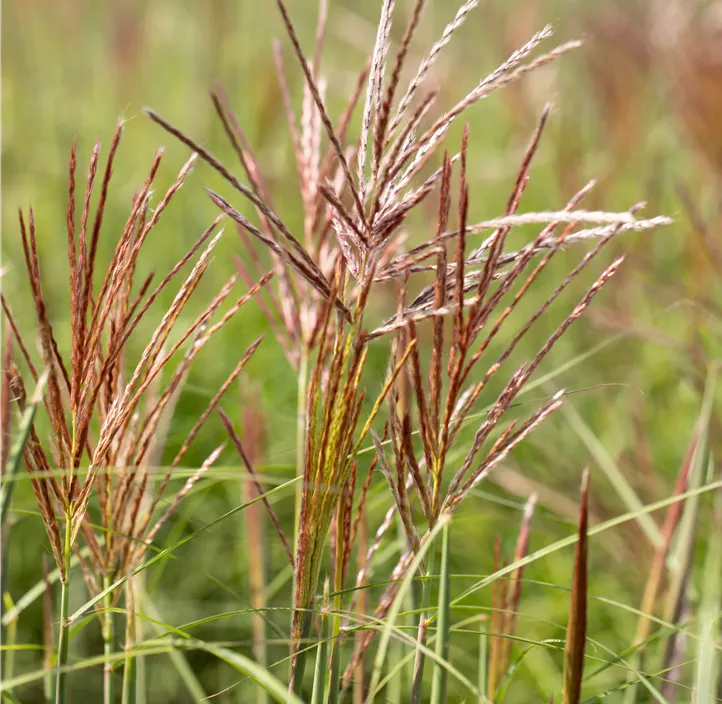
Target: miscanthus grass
106,412
362,179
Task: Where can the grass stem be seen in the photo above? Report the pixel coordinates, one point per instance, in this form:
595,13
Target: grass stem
300,435
441,648
420,658
334,683
108,693
129,671
9,641
63,637
300,458
129,679
483,657
319,676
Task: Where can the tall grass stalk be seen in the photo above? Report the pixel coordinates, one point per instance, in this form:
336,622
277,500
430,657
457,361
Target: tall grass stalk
48,638
443,623
301,409
61,695
709,662
108,644
300,438
576,636
129,665
321,672
423,625
482,678
10,641
334,679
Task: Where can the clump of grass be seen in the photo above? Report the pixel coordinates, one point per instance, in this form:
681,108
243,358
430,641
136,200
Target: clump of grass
357,197
381,178
106,414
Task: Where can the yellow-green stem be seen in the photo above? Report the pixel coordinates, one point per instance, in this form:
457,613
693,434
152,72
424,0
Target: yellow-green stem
483,656
319,675
10,637
300,460
256,564
108,690
420,657
441,648
61,680
300,437
335,672
129,678
129,683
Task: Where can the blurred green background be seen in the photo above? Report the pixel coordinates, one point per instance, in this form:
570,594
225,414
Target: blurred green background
637,108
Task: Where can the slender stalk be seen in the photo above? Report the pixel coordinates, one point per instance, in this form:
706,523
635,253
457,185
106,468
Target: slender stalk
334,683
129,673
61,680
9,641
397,688
129,679
420,657
300,456
48,650
140,688
441,648
300,435
707,680
297,683
141,681
483,656
319,675
256,563
5,529
108,689
359,689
